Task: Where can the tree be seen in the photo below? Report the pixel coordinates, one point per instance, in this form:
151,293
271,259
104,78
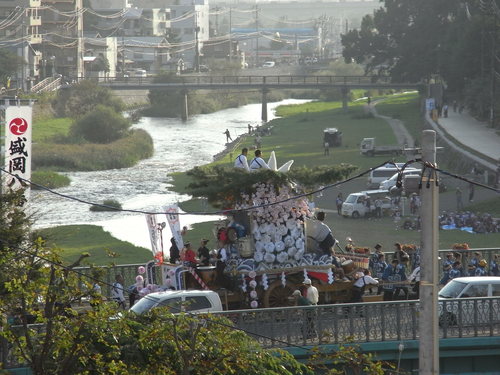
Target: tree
83,97
166,102
9,63
102,125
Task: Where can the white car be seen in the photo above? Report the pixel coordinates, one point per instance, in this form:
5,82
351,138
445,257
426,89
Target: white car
193,301
469,311
269,64
391,182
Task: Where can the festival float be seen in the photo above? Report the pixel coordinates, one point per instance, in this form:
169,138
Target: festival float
268,236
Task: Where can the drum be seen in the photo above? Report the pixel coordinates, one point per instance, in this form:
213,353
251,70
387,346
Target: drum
207,274
348,266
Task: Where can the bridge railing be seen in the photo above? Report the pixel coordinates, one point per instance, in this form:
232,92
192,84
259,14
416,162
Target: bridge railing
362,322
252,80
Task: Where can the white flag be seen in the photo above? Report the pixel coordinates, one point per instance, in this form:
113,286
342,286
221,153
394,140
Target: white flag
18,120
175,225
155,234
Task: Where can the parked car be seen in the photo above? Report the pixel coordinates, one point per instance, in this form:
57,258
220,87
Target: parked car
141,73
269,64
389,183
458,303
355,204
193,301
380,174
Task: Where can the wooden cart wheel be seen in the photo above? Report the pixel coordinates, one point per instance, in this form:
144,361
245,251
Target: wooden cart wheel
278,295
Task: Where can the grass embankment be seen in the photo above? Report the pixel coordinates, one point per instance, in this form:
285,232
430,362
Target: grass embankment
102,247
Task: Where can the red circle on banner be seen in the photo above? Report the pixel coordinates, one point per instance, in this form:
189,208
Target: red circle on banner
18,126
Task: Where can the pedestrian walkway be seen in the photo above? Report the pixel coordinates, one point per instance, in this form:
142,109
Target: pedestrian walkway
403,137
471,133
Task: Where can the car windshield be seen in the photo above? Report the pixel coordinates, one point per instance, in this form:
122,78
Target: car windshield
452,289
144,304
351,199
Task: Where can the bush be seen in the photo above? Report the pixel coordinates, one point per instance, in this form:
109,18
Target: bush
107,205
83,98
49,180
102,125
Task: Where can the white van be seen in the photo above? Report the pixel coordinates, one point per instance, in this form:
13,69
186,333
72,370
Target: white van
389,183
355,204
141,73
381,174
469,311
193,301
269,64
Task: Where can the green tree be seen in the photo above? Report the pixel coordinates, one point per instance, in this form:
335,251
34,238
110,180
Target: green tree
102,125
166,102
100,64
83,97
9,63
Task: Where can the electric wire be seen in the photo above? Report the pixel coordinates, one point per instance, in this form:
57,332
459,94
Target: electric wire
255,207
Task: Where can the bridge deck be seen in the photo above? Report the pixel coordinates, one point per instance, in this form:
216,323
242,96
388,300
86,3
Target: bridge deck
234,82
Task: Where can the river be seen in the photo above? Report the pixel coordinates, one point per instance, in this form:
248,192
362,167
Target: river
178,146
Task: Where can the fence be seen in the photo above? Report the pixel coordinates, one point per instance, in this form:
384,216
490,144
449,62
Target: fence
361,322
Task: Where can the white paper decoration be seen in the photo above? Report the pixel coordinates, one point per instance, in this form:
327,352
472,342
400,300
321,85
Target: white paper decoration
283,230
243,284
291,251
280,246
283,279
253,294
269,247
305,274
282,257
259,246
289,241
269,257
253,284
258,256
265,282
331,277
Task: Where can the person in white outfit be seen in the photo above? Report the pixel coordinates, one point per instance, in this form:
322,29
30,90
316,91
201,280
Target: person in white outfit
241,160
257,162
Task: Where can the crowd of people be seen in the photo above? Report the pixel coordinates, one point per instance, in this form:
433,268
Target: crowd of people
477,223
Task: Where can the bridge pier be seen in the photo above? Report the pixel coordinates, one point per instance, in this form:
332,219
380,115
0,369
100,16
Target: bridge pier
344,90
184,109
264,104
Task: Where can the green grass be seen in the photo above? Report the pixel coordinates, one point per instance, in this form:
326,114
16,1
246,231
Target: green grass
491,206
102,247
299,136
404,107
46,129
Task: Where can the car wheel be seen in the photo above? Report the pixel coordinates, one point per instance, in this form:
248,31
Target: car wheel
355,215
447,319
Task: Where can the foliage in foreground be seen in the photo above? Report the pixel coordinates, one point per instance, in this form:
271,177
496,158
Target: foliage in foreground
107,205
223,186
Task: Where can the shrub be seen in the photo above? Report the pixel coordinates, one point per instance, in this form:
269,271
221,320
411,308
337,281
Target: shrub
107,205
102,125
49,179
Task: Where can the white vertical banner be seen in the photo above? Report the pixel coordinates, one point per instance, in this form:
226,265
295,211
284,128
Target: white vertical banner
18,122
172,213
155,235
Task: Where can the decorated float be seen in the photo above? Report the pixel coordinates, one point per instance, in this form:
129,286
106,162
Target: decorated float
268,235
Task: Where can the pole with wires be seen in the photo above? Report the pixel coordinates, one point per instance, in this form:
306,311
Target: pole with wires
428,320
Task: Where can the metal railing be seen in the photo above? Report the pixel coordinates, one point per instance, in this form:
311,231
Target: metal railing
362,322
48,84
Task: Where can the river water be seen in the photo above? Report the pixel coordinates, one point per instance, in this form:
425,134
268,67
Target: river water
179,146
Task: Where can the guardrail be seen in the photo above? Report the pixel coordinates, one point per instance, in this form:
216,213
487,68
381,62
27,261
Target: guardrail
362,322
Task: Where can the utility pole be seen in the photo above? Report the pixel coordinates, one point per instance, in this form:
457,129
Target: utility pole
197,47
258,35
428,320
230,40
80,48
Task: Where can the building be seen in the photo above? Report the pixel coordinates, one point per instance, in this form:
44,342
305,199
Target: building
20,23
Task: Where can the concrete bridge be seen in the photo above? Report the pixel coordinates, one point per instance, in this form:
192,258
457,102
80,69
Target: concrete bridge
262,83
